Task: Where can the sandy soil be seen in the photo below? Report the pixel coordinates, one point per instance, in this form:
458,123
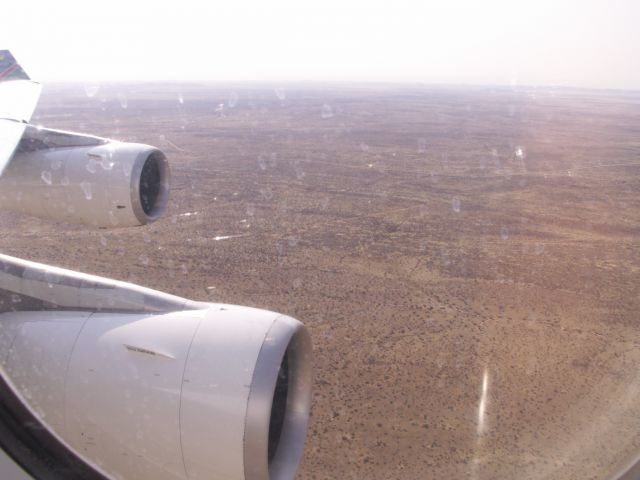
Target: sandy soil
466,259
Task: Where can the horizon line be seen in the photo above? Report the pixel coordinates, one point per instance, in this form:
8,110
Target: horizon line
350,83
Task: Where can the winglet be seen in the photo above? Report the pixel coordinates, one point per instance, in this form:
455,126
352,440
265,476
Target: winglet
10,69
18,98
18,93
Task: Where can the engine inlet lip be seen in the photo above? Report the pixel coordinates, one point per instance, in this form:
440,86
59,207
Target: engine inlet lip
290,337
162,198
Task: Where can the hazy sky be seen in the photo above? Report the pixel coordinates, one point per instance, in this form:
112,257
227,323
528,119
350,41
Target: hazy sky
593,43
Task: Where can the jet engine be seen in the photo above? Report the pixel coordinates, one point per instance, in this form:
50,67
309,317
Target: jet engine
148,385
84,179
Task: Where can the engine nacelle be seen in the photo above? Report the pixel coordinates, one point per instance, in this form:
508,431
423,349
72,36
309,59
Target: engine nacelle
219,393
104,184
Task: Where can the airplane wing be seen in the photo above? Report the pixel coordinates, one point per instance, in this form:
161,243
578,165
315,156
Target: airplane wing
212,390
69,176
227,388
18,99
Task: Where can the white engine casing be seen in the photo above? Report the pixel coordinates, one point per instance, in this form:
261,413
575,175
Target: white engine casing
182,395
114,184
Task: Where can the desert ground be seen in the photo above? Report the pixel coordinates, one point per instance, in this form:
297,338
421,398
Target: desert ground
467,259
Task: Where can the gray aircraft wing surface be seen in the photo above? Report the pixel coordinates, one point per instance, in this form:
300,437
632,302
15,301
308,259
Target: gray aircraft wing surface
18,99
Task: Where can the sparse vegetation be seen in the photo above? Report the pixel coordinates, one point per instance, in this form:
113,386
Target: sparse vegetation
428,237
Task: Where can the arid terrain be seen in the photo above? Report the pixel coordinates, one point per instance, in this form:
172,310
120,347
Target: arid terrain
467,259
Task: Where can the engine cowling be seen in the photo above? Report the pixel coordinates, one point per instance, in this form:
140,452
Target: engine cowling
221,392
112,184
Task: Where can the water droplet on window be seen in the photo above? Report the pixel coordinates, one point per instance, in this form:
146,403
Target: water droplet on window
520,153
422,145
297,283
56,164
103,241
91,89
144,259
233,100
107,164
251,209
180,99
261,163
327,111
91,166
504,233
64,181
266,193
124,103
293,240
539,248
184,269
86,188
364,147
280,93
46,177
455,204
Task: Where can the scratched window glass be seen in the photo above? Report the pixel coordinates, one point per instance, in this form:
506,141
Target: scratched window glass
441,203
